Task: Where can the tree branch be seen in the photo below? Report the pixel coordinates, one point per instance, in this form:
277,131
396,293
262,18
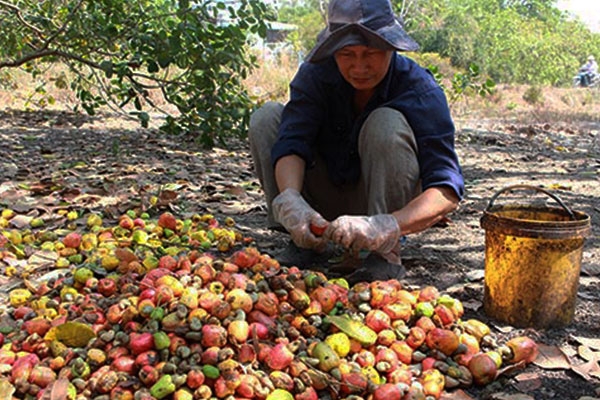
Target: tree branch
27,58
64,25
68,56
17,11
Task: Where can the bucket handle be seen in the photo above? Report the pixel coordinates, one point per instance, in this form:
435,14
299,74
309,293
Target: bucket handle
529,187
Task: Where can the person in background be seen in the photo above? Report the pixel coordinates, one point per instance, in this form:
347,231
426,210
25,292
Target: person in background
588,71
363,149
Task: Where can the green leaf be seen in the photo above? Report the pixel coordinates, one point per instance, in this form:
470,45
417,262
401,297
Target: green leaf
164,60
153,67
107,67
72,334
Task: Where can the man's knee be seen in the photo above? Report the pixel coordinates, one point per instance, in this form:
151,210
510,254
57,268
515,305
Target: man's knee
268,115
384,125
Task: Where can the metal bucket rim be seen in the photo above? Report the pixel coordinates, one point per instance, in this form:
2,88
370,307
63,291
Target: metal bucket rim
570,228
537,189
580,217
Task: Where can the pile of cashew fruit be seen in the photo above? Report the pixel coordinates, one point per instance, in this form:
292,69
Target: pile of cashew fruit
187,308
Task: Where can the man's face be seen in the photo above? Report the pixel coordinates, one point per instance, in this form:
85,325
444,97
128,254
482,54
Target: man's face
363,67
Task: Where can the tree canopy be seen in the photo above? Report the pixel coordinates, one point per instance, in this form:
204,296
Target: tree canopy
192,54
512,41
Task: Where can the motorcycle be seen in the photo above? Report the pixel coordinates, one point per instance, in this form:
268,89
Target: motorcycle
578,80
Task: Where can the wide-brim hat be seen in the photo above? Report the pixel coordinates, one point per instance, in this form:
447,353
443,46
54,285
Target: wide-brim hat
366,22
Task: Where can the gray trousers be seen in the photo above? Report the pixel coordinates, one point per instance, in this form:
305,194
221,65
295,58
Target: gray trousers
389,167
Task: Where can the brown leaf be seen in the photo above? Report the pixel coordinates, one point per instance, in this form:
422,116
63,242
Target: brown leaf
456,395
50,275
505,328
587,296
20,221
41,188
237,191
590,269
68,194
233,207
166,197
86,199
472,304
511,368
551,357
587,354
42,257
568,351
528,382
506,396
593,343
30,286
588,370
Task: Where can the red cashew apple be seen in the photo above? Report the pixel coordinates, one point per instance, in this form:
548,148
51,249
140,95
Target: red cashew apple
318,230
523,349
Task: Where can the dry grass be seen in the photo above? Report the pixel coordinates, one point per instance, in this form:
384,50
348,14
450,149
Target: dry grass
18,90
271,79
521,104
510,103
552,105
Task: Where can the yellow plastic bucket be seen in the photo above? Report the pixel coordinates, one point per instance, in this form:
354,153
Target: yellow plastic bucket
532,261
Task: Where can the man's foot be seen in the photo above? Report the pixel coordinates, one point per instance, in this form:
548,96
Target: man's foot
375,268
293,255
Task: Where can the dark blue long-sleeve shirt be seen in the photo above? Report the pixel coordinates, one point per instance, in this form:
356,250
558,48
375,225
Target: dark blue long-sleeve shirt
319,117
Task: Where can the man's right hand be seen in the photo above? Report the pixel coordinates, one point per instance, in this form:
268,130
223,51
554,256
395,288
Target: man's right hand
296,216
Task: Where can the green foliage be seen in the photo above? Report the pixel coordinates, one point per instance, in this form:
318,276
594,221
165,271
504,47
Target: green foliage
513,41
309,19
472,82
463,85
128,53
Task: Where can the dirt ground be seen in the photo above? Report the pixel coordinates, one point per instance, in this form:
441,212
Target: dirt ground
111,162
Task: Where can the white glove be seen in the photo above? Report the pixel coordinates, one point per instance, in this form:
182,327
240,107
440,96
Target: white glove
296,216
379,233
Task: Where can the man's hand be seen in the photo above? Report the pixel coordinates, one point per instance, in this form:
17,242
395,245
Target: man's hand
296,216
379,233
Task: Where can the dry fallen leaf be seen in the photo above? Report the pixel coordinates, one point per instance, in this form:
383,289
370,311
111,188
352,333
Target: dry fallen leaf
568,350
506,396
587,354
589,370
20,221
166,197
42,257
456,395
593,343
511,368
472,304
551,357
528,382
